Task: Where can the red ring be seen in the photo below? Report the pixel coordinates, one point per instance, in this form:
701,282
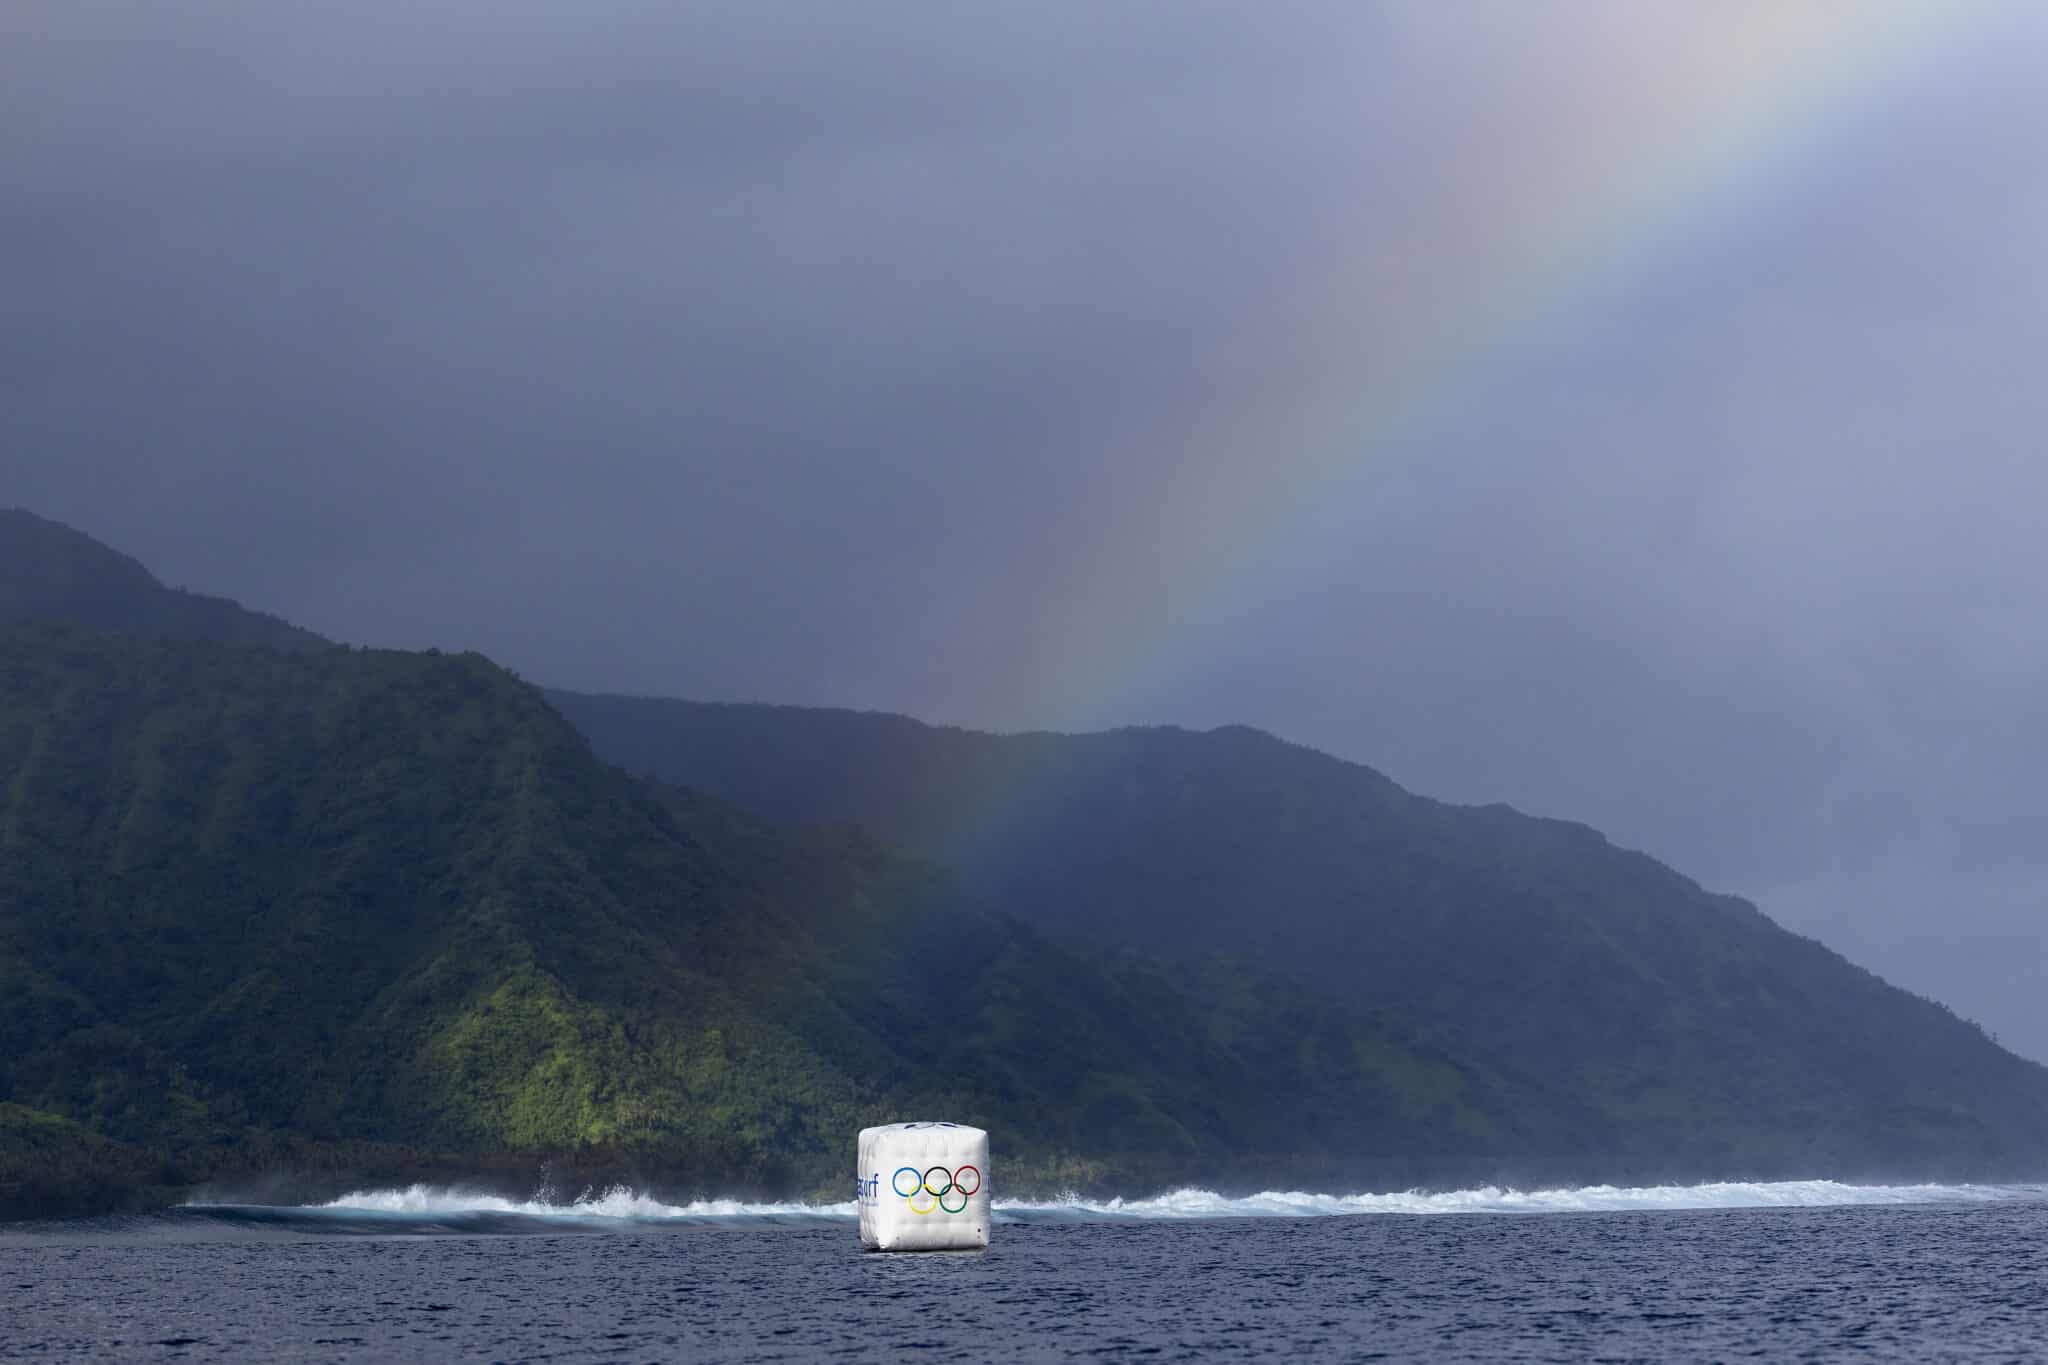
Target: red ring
962,1188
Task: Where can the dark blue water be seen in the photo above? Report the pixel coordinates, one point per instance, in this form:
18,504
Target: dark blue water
1956,1281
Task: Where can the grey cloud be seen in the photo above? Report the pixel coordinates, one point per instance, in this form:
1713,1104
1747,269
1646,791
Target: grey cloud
925,357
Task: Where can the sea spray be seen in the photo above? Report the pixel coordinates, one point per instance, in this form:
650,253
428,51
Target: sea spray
617,1202
433,1207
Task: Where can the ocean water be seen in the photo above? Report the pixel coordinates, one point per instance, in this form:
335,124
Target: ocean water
1796,1271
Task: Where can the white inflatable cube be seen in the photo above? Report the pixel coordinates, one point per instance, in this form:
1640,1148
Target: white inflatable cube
922,1187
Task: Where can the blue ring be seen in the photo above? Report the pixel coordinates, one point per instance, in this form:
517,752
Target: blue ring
917,1181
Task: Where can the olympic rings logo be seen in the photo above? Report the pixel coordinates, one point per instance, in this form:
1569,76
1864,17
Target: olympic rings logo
936,1186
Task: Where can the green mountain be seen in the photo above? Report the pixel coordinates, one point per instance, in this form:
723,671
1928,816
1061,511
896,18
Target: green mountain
271,907
49,572
1686,1019
260,908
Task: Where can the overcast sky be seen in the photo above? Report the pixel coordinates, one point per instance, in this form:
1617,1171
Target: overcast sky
1631,411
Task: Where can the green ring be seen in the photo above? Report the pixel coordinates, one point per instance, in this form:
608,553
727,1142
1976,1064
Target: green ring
949,1208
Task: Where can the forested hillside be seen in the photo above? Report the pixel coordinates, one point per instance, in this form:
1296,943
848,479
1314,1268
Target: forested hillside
1672,1011
269,905
251,899
50,572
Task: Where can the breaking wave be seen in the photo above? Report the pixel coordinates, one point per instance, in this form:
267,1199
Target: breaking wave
432,1209
618,1202
1192,1203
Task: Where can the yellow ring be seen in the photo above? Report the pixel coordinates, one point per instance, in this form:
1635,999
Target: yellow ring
922,1194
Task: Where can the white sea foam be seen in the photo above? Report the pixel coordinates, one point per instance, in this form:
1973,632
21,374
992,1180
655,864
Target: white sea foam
1196,1203
617,1202
628,1205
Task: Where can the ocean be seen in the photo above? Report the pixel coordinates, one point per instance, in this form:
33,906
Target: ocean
1792,1271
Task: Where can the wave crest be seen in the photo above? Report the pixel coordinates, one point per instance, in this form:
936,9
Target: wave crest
1199,1203
445,1208
618,1202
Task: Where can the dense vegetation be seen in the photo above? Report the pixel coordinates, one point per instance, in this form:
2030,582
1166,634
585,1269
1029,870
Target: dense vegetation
272,909
1689,1021
257,909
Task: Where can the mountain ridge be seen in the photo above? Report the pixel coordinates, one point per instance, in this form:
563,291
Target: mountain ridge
1536,941
251,899
52,572
270,904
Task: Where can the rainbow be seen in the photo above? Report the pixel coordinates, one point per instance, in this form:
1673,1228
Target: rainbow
1705,106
